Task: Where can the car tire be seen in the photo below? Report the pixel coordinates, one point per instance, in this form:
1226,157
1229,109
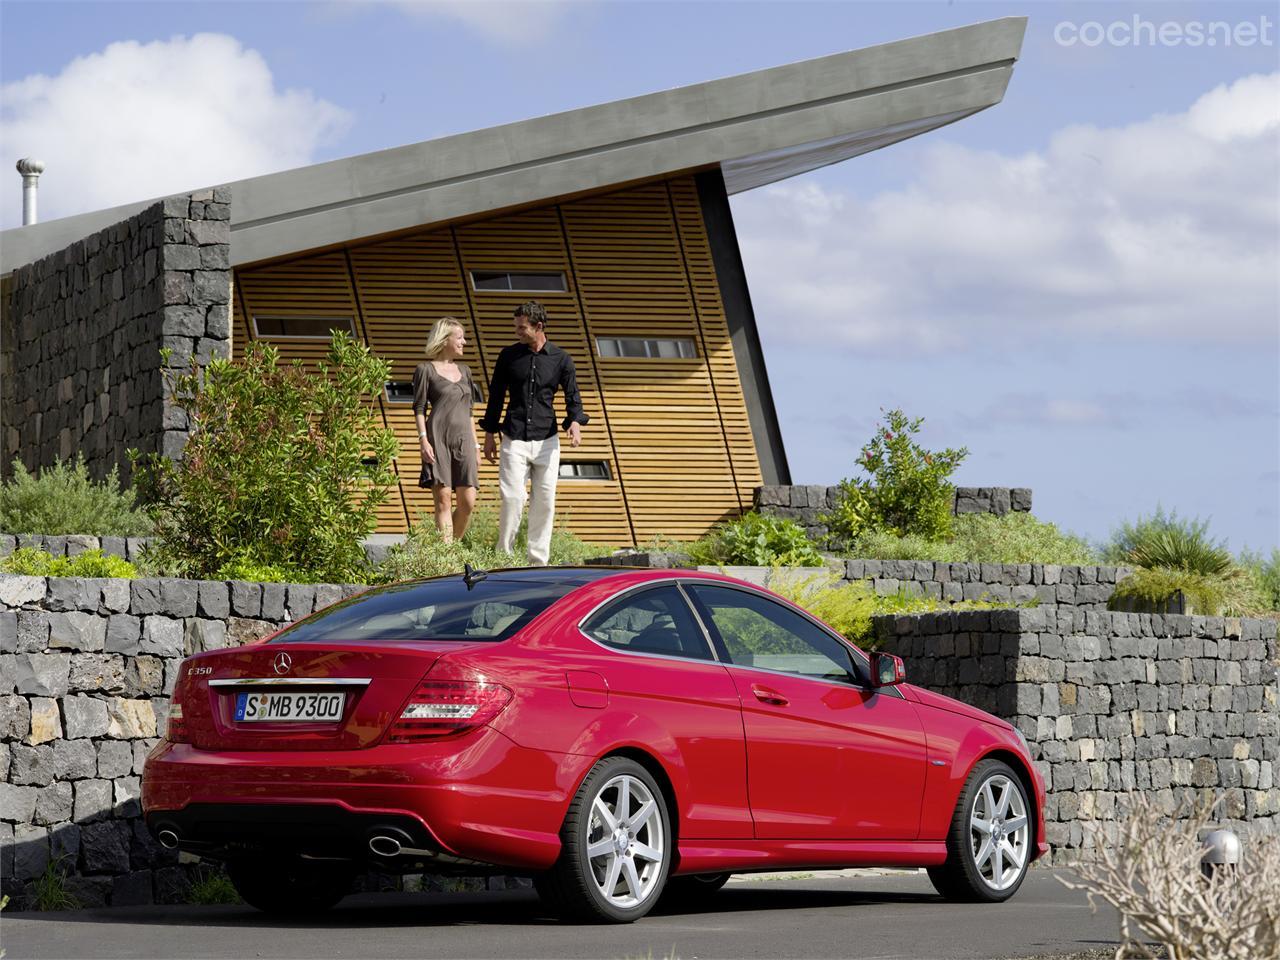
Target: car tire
290,887
616,847
693,890
990,841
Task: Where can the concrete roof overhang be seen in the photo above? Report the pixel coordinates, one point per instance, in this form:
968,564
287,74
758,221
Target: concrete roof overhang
758,127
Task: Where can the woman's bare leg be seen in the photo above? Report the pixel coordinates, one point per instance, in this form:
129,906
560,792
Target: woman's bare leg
443,523
466,502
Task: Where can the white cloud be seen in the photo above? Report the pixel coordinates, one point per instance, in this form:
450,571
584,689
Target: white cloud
1164,229
144,120
508,22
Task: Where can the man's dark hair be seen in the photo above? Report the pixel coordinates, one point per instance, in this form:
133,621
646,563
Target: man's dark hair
532,311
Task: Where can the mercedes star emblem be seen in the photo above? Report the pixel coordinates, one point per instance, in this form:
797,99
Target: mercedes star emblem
283,662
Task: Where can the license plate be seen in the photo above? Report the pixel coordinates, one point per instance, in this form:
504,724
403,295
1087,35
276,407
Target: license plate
290,707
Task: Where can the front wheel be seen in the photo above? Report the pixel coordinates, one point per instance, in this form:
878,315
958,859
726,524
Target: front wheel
290,887
989,844
616,847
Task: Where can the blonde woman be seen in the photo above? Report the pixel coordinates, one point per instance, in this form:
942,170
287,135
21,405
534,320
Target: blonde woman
448,435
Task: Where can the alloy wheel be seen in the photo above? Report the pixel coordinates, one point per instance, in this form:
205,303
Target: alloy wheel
999,832
626,845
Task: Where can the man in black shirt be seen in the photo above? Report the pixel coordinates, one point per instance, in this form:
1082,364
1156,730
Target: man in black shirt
529,372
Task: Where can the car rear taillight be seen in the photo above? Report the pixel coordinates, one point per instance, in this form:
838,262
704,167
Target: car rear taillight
175,729
441,708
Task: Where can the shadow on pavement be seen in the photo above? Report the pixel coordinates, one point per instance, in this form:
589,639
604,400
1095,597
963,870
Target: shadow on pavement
510,907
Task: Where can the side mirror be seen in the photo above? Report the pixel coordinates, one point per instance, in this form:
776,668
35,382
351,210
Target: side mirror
887,670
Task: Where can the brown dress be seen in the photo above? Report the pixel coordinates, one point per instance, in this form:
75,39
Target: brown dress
449,429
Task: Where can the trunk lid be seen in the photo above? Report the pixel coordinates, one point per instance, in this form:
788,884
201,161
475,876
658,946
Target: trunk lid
373,680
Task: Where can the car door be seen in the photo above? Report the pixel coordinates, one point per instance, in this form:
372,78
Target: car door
827,756
661,672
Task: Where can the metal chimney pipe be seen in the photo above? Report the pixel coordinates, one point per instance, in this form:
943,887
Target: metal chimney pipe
30,170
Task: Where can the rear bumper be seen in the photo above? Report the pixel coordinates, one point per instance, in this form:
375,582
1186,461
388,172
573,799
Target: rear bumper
479,798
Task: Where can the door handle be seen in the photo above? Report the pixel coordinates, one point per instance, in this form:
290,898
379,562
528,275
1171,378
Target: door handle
767,695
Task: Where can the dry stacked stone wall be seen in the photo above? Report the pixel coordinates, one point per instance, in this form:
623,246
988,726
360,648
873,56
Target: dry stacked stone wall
83,328
806,504
1087,588
86,670
1113,703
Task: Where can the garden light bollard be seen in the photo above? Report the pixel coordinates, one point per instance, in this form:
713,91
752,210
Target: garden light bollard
1221,848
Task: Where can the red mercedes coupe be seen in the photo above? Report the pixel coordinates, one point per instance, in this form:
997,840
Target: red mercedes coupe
618,735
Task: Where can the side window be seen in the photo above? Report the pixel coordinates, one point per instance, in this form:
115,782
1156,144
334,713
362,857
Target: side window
650,621
760,633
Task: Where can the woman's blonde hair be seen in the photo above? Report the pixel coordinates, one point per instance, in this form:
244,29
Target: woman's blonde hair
440,333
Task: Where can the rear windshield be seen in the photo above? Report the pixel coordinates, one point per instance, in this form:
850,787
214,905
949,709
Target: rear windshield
492,610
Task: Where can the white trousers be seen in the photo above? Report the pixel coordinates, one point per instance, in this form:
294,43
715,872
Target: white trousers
520,460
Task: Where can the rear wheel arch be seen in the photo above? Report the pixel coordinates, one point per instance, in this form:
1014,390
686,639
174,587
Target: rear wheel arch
659,773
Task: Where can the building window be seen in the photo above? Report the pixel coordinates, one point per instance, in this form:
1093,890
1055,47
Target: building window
300,328
399,391
506,280
664,348
584,470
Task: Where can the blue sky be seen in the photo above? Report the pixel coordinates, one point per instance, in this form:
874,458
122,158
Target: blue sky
1079,284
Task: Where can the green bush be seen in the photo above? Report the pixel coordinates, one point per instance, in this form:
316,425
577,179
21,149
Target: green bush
425,554
849,607
285,467
32,562
63,499
1018,538
1167,540
1204,594
1176,554
756,540
882,545
1265,573
907,490
981,538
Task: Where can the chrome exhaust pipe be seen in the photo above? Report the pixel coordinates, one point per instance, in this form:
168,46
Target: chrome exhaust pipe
388,847
168,839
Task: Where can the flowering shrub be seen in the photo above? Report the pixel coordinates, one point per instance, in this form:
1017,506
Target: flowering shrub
285,467
906,491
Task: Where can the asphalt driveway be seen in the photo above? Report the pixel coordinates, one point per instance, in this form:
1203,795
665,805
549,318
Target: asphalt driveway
858,915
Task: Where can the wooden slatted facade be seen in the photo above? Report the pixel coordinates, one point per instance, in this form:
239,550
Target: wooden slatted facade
637,263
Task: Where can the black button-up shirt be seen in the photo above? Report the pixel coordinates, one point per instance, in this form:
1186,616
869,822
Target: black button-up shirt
531,379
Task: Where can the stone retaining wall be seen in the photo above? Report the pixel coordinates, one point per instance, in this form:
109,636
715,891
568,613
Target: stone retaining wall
1086,588
83,329
1112,703
86,670
807,503
376,547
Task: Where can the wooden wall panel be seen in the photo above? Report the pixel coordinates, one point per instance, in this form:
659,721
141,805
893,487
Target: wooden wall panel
674,433
533,241
632,281
318,286
404,286
716,339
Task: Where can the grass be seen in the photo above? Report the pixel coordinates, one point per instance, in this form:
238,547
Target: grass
49,892
212,886
981,538
32,562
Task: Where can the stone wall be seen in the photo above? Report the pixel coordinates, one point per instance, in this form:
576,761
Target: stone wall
82,331
1112,703
1086,588
376,546
86,670
806,504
